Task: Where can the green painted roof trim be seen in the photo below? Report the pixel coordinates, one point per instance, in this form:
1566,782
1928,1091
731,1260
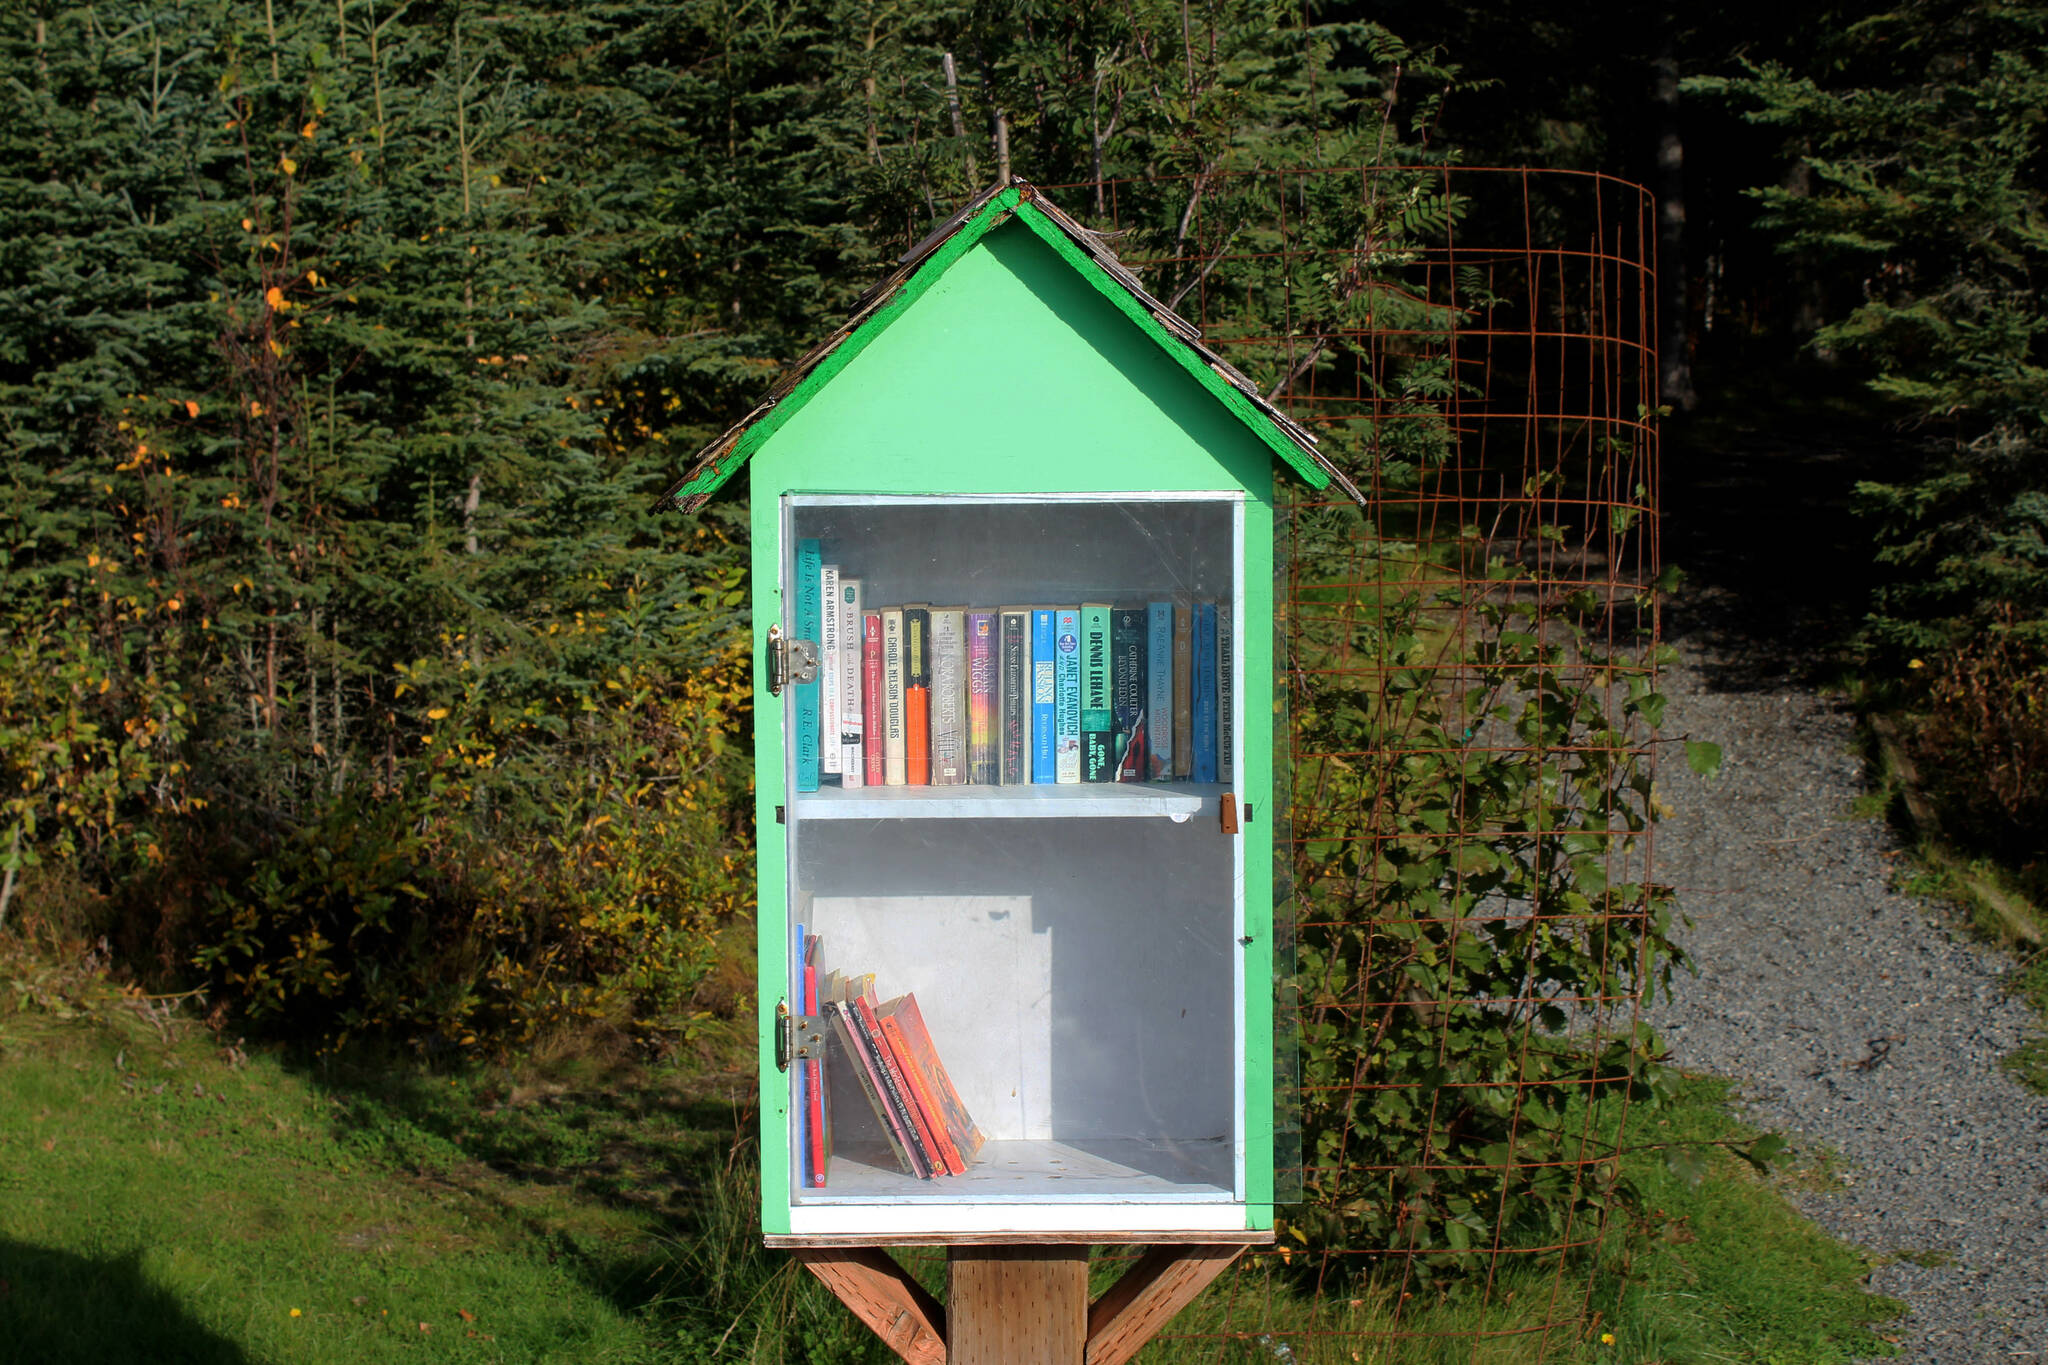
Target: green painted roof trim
1298,460
1017,200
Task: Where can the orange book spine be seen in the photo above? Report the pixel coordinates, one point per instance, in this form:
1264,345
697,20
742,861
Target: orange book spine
933,1118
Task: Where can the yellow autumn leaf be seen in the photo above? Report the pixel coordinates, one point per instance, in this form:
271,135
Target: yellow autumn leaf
275,349
287,165
255,409
309,129
438,713
275,298
191,408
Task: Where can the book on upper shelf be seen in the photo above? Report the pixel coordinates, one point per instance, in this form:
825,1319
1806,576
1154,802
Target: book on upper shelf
1202,759
1226,730
852,684
1097,730
828,671
810,566
895,748
917,694
982,699
1127,693
1044,696
1183,688
873,741
949,696
1014,698
1066,658
1158,691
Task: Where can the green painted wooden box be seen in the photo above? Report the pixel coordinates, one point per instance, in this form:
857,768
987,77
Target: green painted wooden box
1009,421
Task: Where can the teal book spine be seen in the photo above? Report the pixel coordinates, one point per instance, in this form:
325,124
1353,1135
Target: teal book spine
810,602
1098,761
1202,739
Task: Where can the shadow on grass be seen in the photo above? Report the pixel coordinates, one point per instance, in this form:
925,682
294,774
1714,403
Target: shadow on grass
643,1183
57,1308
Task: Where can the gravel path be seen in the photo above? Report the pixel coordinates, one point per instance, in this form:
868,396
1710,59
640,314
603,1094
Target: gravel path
1851,1014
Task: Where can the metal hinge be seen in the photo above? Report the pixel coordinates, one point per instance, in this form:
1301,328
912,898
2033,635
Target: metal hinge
790,661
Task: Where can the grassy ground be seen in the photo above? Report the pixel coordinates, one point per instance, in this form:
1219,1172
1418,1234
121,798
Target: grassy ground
165,1197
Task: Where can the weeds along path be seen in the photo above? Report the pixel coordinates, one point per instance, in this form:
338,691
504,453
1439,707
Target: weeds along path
1854,1017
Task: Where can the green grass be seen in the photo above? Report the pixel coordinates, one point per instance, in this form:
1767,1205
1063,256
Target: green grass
163,1197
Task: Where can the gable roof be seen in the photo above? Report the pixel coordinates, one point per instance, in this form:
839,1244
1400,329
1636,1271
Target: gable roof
915,272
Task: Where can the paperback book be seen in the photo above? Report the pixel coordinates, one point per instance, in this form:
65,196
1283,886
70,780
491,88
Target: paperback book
1097,728
981,698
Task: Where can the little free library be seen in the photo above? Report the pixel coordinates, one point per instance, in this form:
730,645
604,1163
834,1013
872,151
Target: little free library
1013,601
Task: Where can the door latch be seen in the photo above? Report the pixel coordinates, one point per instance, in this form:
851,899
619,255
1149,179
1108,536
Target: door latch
790,661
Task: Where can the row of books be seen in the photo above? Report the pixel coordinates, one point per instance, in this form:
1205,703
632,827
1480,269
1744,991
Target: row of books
889,1052
919,695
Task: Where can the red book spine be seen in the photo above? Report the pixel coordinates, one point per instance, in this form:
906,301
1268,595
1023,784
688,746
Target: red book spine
814,1070
900,1083
874,749
928,1106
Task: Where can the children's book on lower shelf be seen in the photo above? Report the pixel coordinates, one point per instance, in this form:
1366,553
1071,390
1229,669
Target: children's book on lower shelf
889,1053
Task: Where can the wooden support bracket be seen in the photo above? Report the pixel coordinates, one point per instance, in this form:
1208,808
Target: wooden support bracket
1018,1304
882,1294
1164,1281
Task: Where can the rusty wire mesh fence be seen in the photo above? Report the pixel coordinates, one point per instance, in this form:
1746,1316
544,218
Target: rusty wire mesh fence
1470,647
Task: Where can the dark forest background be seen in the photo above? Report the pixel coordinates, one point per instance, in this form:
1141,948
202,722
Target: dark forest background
345,669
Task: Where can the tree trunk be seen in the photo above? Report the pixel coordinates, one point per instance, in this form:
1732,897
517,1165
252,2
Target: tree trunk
1674,351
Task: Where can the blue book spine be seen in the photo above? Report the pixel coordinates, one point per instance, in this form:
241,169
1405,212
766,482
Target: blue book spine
1042,693
1203,766
1067,694
1158,691
810,603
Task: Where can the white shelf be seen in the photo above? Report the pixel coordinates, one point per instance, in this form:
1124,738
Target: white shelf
1035,801
1043,1170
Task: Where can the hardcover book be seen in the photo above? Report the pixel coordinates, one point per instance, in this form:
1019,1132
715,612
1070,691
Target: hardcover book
1066,647
894,747
1158,691
874,746
958,1125
809,572
1202,737
1097,730
852,663
869,1077
921,1145
828,670
949,696
1044,690
929,1114
1127,692
1183,687
917,694
1226,725
819,1125
981,698
1014,701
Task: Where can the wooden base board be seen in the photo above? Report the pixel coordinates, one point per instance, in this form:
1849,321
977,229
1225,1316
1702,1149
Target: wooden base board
1018,1302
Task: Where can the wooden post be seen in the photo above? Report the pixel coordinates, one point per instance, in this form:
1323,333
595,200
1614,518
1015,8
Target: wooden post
1018,1304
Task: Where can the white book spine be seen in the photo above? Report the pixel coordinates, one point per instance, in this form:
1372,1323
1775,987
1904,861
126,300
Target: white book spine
851,760
894,751
828,670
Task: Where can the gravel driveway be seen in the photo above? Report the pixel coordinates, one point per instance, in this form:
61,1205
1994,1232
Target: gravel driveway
1850,1014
